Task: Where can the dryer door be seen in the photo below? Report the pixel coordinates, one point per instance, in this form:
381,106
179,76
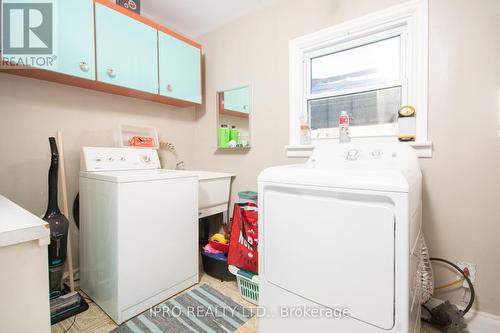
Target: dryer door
335,249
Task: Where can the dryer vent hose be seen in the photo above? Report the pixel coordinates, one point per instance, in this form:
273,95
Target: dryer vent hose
425,278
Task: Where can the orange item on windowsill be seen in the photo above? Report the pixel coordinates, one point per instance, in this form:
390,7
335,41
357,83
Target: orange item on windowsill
141,141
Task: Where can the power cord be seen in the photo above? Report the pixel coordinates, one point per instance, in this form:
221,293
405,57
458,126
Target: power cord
446,316
466,277
73,323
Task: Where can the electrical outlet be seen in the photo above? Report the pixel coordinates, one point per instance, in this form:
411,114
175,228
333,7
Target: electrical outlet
472,272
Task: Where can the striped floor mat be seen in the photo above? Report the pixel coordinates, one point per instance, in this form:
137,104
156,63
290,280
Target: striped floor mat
201,310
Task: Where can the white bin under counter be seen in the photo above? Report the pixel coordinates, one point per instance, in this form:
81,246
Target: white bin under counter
24,278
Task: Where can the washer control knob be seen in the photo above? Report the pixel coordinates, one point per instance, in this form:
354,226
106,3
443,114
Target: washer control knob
352,154
146,159
377,154
123,158
111,159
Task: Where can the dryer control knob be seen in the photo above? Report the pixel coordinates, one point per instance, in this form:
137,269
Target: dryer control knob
352,154
376,154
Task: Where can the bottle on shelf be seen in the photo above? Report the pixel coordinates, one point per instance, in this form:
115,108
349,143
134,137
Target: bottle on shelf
344,127
223,135
234,134
305,132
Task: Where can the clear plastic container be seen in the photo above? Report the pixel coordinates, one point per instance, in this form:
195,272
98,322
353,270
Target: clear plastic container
248,196
127,132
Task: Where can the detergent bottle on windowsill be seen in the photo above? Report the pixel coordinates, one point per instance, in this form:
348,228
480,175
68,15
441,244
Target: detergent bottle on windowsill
344,127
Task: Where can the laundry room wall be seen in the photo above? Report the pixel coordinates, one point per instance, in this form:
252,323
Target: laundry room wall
32,110
461,180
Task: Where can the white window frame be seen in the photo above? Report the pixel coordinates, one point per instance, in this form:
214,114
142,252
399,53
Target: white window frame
408,20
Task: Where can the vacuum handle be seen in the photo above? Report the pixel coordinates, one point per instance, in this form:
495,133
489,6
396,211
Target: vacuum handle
53,206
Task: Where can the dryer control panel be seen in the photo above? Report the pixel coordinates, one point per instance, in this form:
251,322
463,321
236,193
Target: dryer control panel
373,156
112,159
375,153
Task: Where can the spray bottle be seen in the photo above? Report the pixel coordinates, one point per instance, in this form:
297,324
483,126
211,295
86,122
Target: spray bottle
344,127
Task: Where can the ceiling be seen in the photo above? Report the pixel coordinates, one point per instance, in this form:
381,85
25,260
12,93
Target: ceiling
197,17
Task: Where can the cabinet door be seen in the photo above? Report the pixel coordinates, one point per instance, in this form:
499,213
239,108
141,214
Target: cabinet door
237,100
180,69
127,51
75,48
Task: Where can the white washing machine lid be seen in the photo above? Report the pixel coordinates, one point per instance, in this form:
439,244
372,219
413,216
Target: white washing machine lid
380,167
128,176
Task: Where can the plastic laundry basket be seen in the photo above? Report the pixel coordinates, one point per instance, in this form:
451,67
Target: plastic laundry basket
247,196
248,284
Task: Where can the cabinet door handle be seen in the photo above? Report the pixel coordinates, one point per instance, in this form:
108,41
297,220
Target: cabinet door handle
111,72
170,88
84,66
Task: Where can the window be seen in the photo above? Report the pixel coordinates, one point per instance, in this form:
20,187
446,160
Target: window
366,81
369,67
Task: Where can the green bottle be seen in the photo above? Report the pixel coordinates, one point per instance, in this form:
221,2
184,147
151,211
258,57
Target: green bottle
234,134
223,136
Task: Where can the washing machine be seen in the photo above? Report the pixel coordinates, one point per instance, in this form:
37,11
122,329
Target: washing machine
138,230
338,241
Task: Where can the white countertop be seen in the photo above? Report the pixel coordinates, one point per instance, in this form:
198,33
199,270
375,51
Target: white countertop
206,175
17,225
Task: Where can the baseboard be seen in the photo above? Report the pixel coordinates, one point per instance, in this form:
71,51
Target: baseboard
477,321
482,322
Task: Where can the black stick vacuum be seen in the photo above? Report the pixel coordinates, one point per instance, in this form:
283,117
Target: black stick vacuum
62,306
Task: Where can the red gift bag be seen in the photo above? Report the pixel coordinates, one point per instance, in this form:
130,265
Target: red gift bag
244,238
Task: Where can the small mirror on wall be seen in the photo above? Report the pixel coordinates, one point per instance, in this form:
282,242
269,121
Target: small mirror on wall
233,121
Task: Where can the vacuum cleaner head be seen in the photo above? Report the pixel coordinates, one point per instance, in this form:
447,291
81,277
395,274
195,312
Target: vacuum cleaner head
66,306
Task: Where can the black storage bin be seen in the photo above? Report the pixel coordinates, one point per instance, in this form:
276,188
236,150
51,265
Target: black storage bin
216,268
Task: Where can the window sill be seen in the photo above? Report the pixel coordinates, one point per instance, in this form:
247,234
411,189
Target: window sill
423,150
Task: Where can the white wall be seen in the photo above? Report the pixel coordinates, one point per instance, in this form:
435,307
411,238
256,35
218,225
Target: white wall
32,110
461,181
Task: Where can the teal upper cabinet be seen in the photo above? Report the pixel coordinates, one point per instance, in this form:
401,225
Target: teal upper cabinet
180,69
73,33
76,38
100,45
127,51
237,100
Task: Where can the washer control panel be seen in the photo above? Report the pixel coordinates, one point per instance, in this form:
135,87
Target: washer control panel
110,159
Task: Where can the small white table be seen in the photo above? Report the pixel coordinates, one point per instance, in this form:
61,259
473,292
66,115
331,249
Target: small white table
24,277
